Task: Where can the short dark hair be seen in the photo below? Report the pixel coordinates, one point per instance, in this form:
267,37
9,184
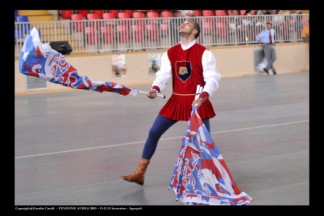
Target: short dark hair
269,23
197,27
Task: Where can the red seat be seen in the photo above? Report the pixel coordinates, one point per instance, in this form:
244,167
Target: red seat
78,26
221,29
91,34
166,14
196,12
152,31
92,16
122,32
123,15
108,16
220,13
138,14
233,12
141,16
208,13
208,27
152,14
94,20
129,12
137,31
254,12
66,14
164,27
242,12
123,27
83,12
138,26
98,12
107,34
114,12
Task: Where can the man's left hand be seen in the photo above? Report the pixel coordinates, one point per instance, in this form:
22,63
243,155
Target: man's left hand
198,102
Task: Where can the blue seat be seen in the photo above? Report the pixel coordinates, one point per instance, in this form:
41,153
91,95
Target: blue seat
22,19
23,27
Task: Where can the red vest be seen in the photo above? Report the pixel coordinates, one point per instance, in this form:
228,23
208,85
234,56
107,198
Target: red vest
187,73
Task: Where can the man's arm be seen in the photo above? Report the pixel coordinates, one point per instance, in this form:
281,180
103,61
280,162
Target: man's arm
211,77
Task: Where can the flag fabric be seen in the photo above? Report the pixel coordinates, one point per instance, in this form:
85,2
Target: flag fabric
201,176
40,60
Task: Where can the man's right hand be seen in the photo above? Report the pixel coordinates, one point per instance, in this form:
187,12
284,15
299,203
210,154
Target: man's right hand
152,93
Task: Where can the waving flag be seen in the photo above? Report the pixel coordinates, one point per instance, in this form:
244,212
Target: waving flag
201,176
40,60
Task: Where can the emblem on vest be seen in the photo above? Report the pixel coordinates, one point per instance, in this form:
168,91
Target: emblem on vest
183,69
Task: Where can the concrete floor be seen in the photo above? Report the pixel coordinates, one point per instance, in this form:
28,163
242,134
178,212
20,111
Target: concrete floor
71,148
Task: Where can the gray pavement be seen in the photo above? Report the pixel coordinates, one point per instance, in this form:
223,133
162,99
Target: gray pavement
71,148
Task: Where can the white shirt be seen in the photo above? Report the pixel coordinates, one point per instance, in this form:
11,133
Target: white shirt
264,36
210,73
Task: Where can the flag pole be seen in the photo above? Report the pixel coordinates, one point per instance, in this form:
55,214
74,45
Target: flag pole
159,95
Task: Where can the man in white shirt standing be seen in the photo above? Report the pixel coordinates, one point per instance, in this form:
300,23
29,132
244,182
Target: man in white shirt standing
187,64
266,38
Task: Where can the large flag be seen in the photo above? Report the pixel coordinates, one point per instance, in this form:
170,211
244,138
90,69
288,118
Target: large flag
40,60
201,176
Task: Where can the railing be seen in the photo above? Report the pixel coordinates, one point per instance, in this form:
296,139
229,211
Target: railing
154,33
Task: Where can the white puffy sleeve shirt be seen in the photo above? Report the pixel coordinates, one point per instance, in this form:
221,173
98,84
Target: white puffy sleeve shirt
210,73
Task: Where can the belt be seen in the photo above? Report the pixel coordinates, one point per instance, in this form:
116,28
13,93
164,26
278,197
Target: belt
183,94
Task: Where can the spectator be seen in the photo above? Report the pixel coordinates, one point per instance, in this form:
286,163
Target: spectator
266,38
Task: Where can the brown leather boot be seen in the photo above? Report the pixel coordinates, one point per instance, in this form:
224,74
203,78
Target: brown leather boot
138,175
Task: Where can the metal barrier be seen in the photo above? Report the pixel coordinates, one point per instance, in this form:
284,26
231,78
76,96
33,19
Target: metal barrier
133,34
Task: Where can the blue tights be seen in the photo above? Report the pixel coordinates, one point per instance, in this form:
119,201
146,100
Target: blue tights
160,125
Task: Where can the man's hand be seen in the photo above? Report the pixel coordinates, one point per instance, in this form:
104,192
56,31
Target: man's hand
152,93
198,102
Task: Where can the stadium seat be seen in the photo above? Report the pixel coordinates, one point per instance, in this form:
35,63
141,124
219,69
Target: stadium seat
122,32
164,27
123,15
137,14
94,20
129,12
107,34
78,26
91,34
114,12
242,12
93,16
138,26
122,27
152,14
83,12
166,14
98,12
152,31
24,26
108,16
66,14
137,31
196,12
22,19
220,13
208,13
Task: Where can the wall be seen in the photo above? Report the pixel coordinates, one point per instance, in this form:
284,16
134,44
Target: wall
231,62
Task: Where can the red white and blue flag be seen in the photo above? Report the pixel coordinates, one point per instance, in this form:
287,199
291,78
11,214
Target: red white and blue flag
40,60
201,176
